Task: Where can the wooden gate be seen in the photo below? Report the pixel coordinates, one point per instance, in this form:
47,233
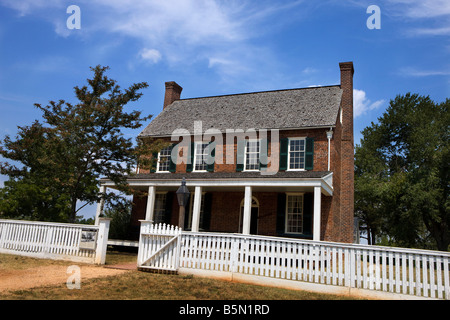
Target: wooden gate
159,247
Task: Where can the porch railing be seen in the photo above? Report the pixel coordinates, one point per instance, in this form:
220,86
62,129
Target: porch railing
420,273
73,242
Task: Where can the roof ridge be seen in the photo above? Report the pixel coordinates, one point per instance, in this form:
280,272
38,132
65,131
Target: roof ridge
256,92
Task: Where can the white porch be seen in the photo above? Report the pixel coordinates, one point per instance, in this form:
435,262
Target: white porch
198,184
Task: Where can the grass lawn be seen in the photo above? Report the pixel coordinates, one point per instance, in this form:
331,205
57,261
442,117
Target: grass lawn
138,285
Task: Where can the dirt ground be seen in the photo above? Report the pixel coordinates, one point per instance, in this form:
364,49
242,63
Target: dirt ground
51,275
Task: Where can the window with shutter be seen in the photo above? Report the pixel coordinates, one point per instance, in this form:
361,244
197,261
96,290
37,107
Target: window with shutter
297,154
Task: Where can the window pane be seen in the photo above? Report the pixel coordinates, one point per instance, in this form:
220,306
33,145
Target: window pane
164,159
297,154
252,155
294,223
201,154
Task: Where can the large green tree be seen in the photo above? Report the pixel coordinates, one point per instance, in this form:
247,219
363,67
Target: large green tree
62,158
402,173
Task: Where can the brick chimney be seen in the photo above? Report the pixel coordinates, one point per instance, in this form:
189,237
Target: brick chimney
347,72
347,155
173,92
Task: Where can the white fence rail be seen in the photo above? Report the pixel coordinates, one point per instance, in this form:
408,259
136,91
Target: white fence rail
79,243
420,273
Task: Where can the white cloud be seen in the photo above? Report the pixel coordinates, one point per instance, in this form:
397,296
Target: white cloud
420,8
409,71
436,13
151,55
361,104
217,33
445,31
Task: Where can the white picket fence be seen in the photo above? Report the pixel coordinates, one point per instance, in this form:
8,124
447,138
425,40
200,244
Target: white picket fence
159,247
73,242
420,273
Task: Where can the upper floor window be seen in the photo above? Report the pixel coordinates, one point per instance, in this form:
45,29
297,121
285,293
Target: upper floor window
252,150
163,164
201,151
296,156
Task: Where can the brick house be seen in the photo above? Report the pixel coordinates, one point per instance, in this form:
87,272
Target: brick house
276,163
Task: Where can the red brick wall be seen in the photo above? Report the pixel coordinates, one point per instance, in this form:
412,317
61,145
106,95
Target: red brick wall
337,211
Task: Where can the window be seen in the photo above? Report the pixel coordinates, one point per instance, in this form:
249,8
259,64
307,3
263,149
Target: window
164,160
296,154
252,155
160,208
294,213
200,156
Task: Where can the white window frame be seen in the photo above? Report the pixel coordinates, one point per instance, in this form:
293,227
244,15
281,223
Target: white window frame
204,159
259,155
286,226
158,168
289,154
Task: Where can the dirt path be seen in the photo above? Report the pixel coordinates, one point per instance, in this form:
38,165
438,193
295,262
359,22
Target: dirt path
50,275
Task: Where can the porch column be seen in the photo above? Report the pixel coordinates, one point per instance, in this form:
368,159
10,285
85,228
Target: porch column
100,205
150,209
247,210
196,209
317,213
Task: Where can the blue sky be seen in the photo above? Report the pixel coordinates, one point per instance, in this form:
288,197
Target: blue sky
213,47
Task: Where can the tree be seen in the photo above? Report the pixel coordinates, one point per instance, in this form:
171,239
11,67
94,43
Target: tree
77,144
401,173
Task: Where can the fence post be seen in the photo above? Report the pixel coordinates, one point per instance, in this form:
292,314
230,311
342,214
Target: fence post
2,233
145,228
102,240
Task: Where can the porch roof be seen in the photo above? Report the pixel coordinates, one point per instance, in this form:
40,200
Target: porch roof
282,179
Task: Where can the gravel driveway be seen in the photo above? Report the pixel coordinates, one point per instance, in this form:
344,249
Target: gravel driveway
51,275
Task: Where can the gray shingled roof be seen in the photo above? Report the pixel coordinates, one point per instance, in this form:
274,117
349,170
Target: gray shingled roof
281,109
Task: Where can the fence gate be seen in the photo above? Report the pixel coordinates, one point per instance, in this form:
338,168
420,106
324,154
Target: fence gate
159,247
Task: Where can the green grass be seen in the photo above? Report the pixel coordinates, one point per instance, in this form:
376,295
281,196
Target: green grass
138,285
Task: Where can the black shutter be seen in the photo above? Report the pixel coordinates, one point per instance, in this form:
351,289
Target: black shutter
263,154
206,222
187,215
168,211
173,158
281,213
307,214
154,162
284,145
210,166
309,154
190,157
240,155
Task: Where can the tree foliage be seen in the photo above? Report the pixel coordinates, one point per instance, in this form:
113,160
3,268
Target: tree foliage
61,159
402,176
